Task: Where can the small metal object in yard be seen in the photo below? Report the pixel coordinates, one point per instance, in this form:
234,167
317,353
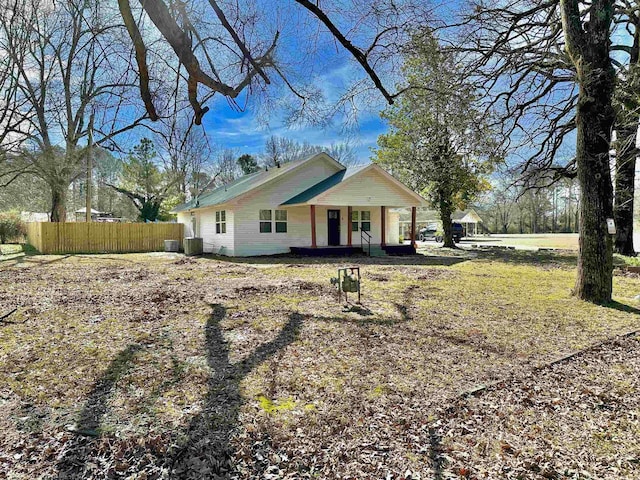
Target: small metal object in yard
193,246
171,245
348,280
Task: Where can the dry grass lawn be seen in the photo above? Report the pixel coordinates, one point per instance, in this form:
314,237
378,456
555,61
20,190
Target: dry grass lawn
568,241
160,366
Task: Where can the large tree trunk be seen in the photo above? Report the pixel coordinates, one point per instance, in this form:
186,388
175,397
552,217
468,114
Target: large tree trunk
58,202
624,192
627,152
446,210
595,260
588,47
568,214
594,122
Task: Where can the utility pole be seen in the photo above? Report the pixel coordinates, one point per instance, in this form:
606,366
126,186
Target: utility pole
89,170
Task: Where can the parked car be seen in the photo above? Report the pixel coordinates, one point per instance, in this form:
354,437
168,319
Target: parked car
457,230
430,232
433,232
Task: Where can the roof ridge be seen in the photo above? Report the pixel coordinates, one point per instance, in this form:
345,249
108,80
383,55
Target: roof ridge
248,182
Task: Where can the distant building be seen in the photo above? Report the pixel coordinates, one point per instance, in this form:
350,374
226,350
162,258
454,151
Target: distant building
34,216
96,216
468,218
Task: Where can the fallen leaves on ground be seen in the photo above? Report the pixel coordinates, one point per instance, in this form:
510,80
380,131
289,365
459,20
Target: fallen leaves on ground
163,366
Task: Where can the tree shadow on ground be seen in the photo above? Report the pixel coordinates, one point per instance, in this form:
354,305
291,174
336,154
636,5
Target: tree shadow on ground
435,454
206,452
73,464
621,307
526,257
31,259
367,317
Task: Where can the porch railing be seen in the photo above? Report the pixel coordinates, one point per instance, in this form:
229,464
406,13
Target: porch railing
365,237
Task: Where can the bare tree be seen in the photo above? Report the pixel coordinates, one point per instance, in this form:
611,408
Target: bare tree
228,48
186,153
344,152
501,205
546,65
281,150
226,167
67,63
627,104
11,111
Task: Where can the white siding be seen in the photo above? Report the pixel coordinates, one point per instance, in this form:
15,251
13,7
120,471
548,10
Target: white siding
393,228
249,240
220,243
376,231
185,218
370,188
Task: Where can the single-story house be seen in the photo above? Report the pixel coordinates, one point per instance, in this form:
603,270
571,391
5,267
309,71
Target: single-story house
302,207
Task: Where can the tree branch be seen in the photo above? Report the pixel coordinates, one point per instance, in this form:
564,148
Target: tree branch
357,53
141,57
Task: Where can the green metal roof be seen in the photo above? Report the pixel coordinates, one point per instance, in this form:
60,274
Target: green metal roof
222,194
324,185
237,187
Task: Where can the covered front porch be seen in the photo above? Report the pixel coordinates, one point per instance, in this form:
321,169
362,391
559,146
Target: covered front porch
356,208
352,230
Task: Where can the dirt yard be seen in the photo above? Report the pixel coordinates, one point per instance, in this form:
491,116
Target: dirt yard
160,366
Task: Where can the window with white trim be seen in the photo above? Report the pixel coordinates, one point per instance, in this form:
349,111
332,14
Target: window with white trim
361,220
281,221
221,221
265,221
365,220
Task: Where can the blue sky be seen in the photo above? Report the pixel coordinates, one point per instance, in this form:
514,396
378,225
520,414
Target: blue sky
247,131
310,59
331,70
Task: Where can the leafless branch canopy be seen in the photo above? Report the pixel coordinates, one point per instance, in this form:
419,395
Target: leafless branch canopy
516,53
225,46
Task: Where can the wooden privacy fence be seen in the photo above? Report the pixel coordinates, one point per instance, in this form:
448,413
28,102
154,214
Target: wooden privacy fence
97,237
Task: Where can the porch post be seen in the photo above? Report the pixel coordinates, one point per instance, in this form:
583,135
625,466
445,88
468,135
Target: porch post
383,229
413,227
349,232
313,226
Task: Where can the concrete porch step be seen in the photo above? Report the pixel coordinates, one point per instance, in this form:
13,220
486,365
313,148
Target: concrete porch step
376,251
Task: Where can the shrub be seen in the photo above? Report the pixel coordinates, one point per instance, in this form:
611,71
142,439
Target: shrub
11,227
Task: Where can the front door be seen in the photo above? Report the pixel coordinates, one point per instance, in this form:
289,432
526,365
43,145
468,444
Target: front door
333,227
